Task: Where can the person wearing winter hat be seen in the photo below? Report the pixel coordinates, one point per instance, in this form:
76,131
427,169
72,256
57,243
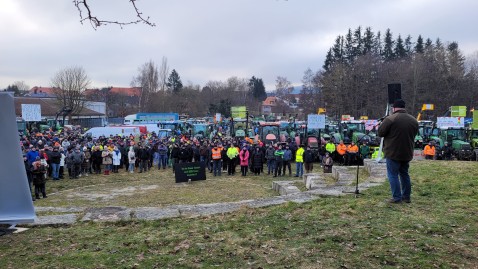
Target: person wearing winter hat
398,131
55,158
39,170
86,164
76,159
116,154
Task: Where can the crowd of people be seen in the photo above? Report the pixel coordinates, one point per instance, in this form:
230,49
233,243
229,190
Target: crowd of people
69,154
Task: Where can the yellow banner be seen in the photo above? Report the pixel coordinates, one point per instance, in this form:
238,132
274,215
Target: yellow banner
428,107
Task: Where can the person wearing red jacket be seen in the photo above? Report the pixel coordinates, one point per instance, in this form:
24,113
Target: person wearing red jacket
244,160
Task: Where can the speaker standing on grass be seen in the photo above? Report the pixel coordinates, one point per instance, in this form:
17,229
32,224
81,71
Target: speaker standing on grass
398,131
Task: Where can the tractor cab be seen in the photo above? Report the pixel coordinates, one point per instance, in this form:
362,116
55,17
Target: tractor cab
269,132
425,133
352,131
456,137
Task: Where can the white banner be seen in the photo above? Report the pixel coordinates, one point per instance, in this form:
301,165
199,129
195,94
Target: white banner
218,117
31,112
315,121
15,197
369,124
445,122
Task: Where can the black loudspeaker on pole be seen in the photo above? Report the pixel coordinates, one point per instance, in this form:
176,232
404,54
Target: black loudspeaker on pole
394,92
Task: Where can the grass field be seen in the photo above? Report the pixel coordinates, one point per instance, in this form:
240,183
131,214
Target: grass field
156,188
439,229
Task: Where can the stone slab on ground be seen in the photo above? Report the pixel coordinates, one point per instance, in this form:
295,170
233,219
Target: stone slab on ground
59,209
301,198
155,213
55,220
107,214
314,181
285,187
266,202
342,174
207,209
329,191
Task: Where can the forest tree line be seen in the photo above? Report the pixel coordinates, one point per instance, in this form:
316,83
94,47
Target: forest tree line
360,65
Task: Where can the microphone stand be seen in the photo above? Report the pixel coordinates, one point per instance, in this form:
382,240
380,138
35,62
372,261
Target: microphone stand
357,192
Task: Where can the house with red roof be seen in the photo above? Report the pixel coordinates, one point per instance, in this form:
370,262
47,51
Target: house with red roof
39,92
274,106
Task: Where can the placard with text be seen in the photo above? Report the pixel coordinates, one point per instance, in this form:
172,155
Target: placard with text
185,171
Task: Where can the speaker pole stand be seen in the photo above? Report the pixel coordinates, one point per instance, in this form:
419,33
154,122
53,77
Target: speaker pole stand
357,192
380,149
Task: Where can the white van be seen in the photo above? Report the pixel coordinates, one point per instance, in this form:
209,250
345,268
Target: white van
96,132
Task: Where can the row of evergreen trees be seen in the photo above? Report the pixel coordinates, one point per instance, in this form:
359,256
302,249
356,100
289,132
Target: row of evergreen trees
360,64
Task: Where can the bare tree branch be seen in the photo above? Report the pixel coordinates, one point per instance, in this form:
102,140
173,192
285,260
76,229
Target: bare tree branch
69,85
83,7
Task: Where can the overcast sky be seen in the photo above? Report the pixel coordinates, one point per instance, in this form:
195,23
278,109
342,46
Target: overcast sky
209,39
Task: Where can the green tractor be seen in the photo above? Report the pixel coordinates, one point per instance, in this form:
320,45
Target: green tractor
351,131
238,128
456,137
425,133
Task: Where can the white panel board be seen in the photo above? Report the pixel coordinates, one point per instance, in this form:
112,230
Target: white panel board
16,204
315,121
31,112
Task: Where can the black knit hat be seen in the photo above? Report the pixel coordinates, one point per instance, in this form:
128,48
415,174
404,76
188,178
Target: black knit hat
399,103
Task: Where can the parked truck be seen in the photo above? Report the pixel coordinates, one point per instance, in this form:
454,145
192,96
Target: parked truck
108,131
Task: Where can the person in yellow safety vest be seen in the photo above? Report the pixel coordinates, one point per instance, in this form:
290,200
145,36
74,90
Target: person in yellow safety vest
330,148
352,152
216,160
299,161
341,150
232,154
429,151
376,154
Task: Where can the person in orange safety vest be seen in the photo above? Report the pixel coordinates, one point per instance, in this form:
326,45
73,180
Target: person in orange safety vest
429,151
341,151
351,155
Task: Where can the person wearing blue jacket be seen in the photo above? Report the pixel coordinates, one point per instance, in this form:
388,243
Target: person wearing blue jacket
32,155
286,159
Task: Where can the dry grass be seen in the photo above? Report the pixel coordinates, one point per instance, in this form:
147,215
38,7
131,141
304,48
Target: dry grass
156,188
